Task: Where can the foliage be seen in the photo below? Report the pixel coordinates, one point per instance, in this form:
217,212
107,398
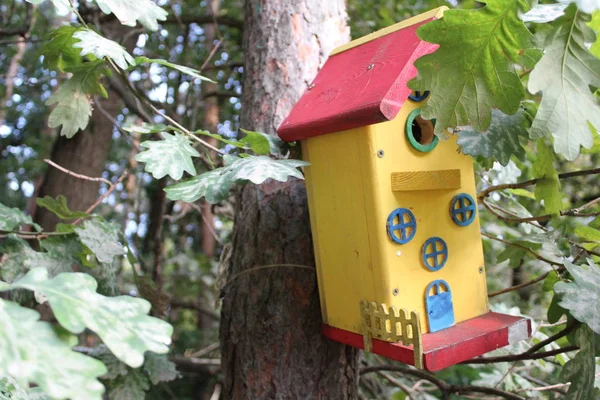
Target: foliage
170,156
479,72
581,369
542,239
500,142
582,296
34,351
567,103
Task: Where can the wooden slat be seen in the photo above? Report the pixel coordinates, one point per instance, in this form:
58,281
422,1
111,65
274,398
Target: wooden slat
450,346
425,180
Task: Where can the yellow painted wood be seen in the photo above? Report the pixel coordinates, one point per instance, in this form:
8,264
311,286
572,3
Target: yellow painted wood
350,199
426,180
435,13
403,263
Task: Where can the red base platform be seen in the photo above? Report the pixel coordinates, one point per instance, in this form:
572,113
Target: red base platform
450,346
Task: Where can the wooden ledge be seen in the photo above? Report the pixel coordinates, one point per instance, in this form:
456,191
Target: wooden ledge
426,180
450,346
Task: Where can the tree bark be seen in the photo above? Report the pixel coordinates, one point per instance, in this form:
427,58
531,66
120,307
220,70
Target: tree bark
210,122
271,343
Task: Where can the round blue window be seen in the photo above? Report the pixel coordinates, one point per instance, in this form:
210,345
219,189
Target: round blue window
462,209
401,225
419,96
434,253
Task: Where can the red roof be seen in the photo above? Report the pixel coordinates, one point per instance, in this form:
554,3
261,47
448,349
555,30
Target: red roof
361,86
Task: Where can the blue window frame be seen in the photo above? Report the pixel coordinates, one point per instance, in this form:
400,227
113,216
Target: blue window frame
462,209
401,225
434,253
418,96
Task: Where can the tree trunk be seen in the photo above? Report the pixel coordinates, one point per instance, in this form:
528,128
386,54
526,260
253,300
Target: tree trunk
271,343
210,122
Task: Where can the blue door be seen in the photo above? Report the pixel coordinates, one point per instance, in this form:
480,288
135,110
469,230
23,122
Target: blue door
440,312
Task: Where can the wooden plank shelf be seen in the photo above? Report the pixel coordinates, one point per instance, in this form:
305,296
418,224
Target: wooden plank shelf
461,342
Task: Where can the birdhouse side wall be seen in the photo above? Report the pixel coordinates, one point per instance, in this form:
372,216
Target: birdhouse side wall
341,204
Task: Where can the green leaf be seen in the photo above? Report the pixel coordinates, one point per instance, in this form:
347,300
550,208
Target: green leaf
220,138
469,74
521,192
500,141
19,258
132,386
581,369
11,390
59,51
258,169
213,185
144,128
514,254
87,76
159,368
121,322
588,6
550,281
32,351
547,188
100,47
130,11
555,311
582,296
59,207
186,70
114,366
543,13
102,238
261,143
170,156
564,75
595,25
588,233
74,108
11,218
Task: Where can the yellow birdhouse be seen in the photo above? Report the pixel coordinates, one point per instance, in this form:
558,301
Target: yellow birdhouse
393,210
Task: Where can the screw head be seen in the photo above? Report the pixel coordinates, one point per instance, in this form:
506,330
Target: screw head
395,292
481,270
370,67
380,153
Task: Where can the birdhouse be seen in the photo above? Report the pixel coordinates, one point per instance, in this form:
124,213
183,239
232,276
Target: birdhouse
393,210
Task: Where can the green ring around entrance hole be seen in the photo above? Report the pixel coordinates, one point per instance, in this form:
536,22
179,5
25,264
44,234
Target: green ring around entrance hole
411,137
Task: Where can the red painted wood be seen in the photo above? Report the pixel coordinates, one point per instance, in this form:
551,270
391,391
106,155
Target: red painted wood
450,346
348,93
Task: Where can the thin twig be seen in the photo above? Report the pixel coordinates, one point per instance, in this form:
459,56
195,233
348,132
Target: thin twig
100,199
544,388
520,185
521,357
521,286
568,329
445,387
527,249
208,349
75,175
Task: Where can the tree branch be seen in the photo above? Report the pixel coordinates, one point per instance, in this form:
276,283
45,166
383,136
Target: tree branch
521,357
445,387
195,305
